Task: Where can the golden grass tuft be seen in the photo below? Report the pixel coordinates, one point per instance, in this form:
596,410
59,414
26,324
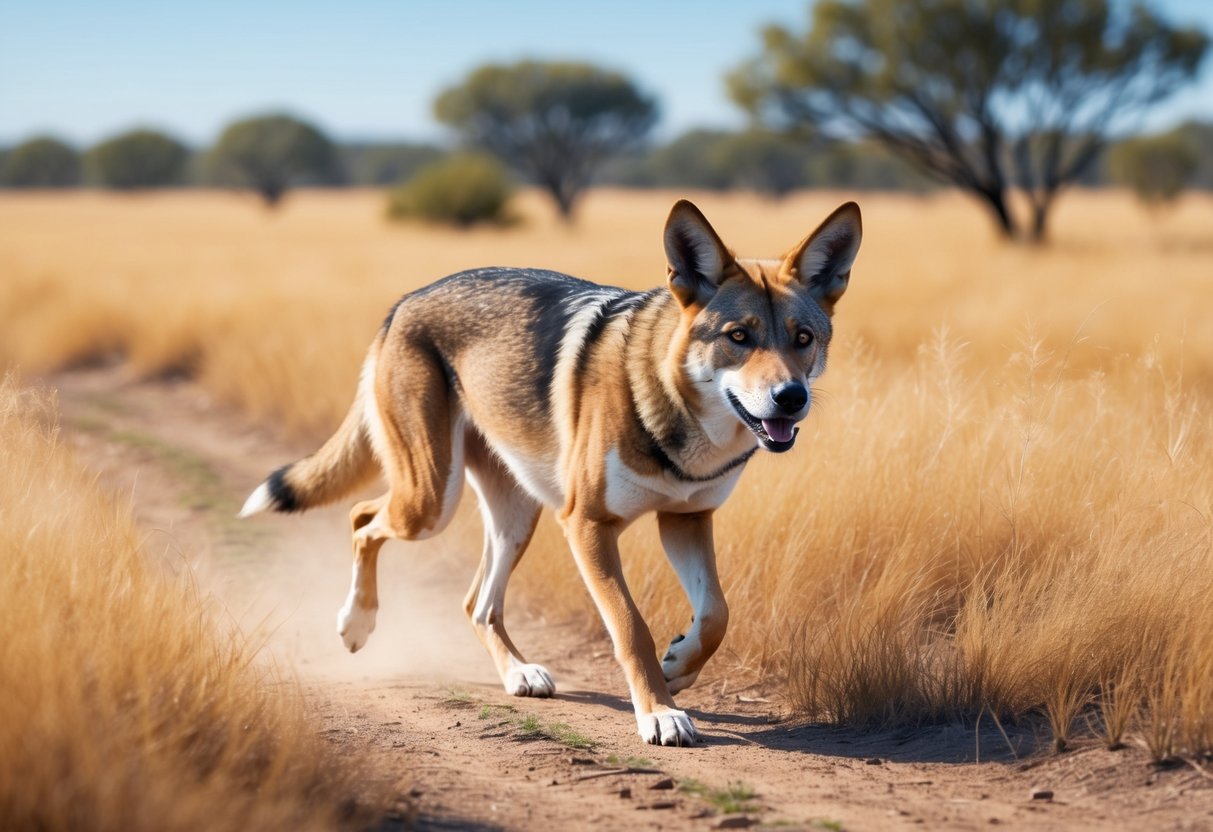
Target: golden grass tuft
125,706
1002,501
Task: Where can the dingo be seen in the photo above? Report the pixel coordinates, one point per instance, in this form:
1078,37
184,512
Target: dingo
542,389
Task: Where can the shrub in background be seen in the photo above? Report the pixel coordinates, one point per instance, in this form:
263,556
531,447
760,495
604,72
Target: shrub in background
136,159
41,162
464,189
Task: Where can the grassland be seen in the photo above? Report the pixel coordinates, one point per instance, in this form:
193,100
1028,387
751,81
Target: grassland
1001,505
126,704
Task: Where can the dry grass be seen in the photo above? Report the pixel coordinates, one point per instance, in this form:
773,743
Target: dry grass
1002,502
124,706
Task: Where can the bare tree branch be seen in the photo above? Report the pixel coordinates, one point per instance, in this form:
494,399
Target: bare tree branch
985,94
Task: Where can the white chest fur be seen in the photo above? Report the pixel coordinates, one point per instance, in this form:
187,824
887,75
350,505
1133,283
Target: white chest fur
630,494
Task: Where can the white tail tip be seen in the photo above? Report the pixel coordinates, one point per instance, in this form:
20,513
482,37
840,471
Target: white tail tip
257,502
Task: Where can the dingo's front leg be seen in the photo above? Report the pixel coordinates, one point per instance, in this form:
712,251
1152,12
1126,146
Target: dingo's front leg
687,539
595,546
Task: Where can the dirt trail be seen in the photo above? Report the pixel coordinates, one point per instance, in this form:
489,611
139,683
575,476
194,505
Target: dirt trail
423,699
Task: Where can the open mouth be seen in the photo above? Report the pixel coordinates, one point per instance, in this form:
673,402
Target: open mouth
776,435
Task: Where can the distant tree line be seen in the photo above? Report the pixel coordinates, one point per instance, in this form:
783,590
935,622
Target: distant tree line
988,96
750,159
766,162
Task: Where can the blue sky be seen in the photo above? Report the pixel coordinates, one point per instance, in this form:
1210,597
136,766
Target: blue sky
368,69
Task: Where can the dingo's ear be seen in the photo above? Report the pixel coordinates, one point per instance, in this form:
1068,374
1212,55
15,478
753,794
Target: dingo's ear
822,261
697,258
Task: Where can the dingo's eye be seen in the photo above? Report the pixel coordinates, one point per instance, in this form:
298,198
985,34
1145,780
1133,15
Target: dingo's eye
739,336
804,338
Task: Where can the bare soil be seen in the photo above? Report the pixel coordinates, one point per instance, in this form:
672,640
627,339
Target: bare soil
422,704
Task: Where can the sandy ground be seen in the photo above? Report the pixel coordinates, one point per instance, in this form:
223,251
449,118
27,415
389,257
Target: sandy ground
422,703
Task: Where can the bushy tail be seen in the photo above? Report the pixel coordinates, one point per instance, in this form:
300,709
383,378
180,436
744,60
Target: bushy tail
343,464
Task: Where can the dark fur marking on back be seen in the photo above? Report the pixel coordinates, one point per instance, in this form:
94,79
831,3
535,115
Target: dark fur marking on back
553,312
281,493
625,303
554,297
593,332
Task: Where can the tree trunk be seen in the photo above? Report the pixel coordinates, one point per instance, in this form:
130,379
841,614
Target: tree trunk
996,200
566,200
564,204
1040,219
271,193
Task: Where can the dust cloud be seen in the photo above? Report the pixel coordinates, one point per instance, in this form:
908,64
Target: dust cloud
288,588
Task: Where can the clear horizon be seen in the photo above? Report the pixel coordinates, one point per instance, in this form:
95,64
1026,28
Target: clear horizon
369,72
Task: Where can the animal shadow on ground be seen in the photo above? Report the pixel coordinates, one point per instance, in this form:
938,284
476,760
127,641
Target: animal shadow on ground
427,822
618,703
948,743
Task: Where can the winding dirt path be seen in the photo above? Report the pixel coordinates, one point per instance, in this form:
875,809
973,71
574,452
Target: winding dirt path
422,700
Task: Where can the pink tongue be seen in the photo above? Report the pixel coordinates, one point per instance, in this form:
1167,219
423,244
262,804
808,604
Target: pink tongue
780,430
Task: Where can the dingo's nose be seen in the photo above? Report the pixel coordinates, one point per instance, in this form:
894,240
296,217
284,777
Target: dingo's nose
790,397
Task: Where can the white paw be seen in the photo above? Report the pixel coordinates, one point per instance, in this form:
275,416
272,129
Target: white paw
677,684
674,665
355,626
529,680
666,726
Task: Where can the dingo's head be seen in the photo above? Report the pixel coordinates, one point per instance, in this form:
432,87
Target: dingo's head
755,332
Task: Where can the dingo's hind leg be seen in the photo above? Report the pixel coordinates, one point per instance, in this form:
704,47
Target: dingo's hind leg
416,427
509,515
356,620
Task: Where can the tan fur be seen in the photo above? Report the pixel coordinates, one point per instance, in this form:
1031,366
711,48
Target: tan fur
601,403
341,466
